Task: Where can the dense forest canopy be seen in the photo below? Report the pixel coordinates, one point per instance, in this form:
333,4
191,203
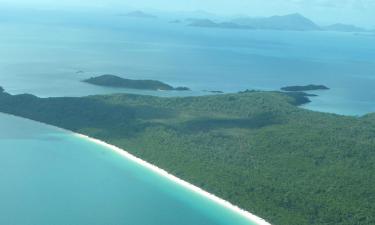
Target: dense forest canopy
256,149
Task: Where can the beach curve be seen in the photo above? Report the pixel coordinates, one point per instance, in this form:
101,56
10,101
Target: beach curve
245,214
251,217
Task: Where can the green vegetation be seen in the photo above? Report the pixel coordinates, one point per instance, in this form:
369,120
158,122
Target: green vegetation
256,149
119,82
310,87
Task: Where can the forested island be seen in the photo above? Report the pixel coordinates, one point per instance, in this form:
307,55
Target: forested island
311,87
119,82
256,149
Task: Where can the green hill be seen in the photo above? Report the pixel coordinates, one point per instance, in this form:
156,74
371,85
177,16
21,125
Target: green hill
256,149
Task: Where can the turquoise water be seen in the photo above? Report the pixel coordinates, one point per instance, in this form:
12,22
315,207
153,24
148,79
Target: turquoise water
52,177
42,51
48,176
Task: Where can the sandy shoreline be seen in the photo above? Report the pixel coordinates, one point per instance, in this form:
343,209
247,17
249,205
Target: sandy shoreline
253,218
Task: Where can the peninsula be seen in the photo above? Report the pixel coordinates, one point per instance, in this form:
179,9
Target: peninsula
256,149
119,82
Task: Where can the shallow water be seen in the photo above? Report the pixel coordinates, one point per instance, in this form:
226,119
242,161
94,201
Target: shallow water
52,177
42,52
49,176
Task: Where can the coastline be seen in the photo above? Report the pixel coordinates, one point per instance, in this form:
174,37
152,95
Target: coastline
121,152
251,217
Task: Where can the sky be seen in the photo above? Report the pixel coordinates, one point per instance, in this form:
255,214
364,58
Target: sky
358,12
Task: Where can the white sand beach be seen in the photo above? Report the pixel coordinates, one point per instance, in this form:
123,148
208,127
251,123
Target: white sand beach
251,217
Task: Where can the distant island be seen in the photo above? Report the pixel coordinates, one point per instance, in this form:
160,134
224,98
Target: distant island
119,82
344,28
140,14
256,149
288,22
211,24
293,22
311,87
215,92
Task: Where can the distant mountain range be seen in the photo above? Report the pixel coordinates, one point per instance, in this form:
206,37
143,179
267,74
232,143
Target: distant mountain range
295,22
288,22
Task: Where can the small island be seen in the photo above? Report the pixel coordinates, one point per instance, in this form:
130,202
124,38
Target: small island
311,87
119,82
211,24
217,92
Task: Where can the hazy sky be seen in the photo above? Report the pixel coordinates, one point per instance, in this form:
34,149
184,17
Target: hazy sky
361,12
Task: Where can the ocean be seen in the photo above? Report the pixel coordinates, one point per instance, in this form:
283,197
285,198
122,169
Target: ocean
49,176
49,53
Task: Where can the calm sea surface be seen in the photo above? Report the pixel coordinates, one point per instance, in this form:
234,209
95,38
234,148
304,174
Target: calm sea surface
41,53
48,176
51,177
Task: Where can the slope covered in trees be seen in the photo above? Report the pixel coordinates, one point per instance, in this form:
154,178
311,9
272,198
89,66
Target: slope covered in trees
256,149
